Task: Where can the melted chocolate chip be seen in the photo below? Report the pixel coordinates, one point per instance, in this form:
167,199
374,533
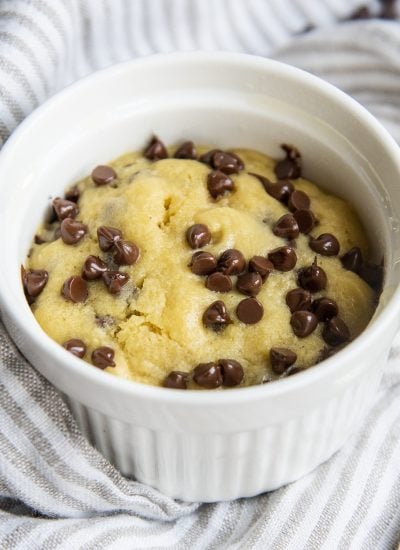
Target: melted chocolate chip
281,359
298,200
208,375
207,158
34,281
250,311
115,280
325,309
216,316
93,268
218,183
326,245
281,190
72,231
298,299
249,283
72,194
125,252
232,372
303,323
286,227
305,220
259,264
102,175
231,262
228,163
75,289
103,357
283,258
155,150
198,235
76,347
107,237
353,259
177,380
203,263
65,209
372,275
312,278
290,167
186,151
336,332
219,282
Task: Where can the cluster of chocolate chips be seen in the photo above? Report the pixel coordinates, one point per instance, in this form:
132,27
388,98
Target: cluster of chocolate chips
225,372
101,357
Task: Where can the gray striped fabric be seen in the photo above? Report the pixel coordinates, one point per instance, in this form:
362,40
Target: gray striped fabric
56,491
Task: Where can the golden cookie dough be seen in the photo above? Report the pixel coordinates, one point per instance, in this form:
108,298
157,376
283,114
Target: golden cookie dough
155,324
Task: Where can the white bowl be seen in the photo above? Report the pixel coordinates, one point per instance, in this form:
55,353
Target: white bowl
207,445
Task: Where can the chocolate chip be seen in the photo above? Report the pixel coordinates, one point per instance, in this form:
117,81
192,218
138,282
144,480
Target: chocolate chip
125,252
326,245
207,158
72,194
286,227
298,200
231,262
336,332
198,235
186,151
283,258
208,375
102,175
216,316
155,150
218,183
34,281
312,278
219,282
250,311
298,299
290,167
203,263
176,380
294,370
249,283
65,209
372,275
325,308
325,353
228,163
232,372
353,259
305,220
281,190
93,268
303,323
39,240
281,359
75,289
115,280
259,264
103,357
107,237
72,231
76,347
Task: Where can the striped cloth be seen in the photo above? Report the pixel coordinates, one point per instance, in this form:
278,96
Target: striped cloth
56,491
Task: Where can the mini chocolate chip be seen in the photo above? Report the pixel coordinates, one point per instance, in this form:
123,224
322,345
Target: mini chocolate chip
125,252
283,258
207,158
281,359
186,151
325,308
155,150
228,163
218,183
298,299
216,316
65,209
298,200
372,275
102,175
232,372
259,264
93,268
198,235
72,194
104,321
312,278
203,263
290,167
286,227
326,245
231,262
107,237
305,220
219,282
336,332
75,289
115,280
76,347
249,283
34,281
281,190
176,380
208,375
353,259
250,311
303,323
103,357
72,231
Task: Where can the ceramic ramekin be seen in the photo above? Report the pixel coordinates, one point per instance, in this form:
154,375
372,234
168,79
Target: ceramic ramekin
208,445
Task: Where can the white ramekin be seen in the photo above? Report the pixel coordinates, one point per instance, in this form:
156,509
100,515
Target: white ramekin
206,446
